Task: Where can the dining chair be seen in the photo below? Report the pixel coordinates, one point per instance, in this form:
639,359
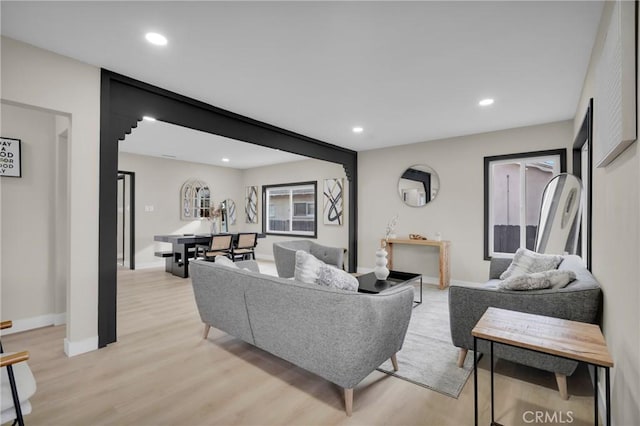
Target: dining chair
245,247
221,244
17,384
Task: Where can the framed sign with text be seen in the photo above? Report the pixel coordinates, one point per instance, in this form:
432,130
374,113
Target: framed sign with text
10,157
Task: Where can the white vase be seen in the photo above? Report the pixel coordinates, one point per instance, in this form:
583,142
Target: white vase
214,226
381,271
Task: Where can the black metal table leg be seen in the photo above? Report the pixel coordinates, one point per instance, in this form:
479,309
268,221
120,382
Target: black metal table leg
475,380
492,401
595,395
608,395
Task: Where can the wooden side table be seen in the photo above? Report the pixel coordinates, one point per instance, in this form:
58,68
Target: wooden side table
443,246
573,340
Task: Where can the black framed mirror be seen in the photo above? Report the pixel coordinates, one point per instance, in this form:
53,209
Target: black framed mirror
418,185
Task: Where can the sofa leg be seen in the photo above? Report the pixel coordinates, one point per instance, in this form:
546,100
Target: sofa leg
348,401
207,327
561,379
394,361
462,355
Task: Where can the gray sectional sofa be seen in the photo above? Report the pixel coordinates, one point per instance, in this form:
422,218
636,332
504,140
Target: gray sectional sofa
580,301
339,335
284,254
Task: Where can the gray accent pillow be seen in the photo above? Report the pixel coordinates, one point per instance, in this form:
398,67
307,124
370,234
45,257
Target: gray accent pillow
539,280
529,262
330,276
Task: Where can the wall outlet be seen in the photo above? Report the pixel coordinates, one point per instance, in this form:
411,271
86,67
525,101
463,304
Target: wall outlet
148,208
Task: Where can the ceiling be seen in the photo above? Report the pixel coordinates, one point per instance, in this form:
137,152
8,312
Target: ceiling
158,139
405,71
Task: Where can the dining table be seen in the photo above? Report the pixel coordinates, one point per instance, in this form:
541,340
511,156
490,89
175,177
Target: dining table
183,248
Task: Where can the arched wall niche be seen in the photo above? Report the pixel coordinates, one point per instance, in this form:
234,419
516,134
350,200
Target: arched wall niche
123,103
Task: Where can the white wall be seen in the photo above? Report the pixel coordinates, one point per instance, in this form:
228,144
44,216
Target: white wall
42,79
158,184
616,250
458,210
32,296
298,171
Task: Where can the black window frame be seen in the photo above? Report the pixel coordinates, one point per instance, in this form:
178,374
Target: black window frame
265,188
487,165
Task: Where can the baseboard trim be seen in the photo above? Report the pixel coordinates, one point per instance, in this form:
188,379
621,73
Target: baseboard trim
150,265
32,323
80,346
59,319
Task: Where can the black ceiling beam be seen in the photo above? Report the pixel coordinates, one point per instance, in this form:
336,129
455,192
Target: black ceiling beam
124,101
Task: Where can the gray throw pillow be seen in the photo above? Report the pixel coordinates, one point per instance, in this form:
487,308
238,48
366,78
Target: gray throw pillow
529,262
330,276
539,280
560,278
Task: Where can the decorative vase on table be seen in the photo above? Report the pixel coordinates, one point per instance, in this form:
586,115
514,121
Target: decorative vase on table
214,226
381,271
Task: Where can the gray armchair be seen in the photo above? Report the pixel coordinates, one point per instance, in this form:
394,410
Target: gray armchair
284,254
578,301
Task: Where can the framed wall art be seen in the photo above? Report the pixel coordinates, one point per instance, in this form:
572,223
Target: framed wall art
333,212
10,158
251,204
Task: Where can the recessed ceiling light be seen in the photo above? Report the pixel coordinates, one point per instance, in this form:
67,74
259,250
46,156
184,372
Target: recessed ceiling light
168,156
148,118
357,129
226,160
157,39
486,102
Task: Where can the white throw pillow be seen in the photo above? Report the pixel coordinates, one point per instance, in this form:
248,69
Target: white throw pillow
307,267
529,262
538,280
330,276
225,261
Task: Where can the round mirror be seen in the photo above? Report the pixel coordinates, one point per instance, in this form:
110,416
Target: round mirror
418,185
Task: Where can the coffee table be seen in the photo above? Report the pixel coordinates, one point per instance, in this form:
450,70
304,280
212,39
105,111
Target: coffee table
370,284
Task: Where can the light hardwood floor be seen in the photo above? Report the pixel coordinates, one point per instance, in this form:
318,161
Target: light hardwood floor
161,372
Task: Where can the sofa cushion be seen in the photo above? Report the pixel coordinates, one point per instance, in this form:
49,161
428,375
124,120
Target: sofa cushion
529,262
307,267
330,276
538,280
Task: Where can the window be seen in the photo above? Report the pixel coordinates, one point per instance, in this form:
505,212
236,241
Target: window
291,208
513,186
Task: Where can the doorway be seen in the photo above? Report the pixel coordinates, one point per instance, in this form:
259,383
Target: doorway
126,220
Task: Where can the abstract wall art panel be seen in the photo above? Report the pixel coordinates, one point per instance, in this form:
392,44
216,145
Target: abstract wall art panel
333,212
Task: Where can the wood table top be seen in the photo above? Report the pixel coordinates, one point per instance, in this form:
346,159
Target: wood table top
571,339
416,242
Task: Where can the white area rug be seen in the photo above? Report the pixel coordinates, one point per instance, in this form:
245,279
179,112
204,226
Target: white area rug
428,358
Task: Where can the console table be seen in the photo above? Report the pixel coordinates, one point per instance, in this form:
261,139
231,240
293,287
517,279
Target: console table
574,340
443,246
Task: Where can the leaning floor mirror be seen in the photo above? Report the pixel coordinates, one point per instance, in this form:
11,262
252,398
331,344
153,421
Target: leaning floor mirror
560,214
